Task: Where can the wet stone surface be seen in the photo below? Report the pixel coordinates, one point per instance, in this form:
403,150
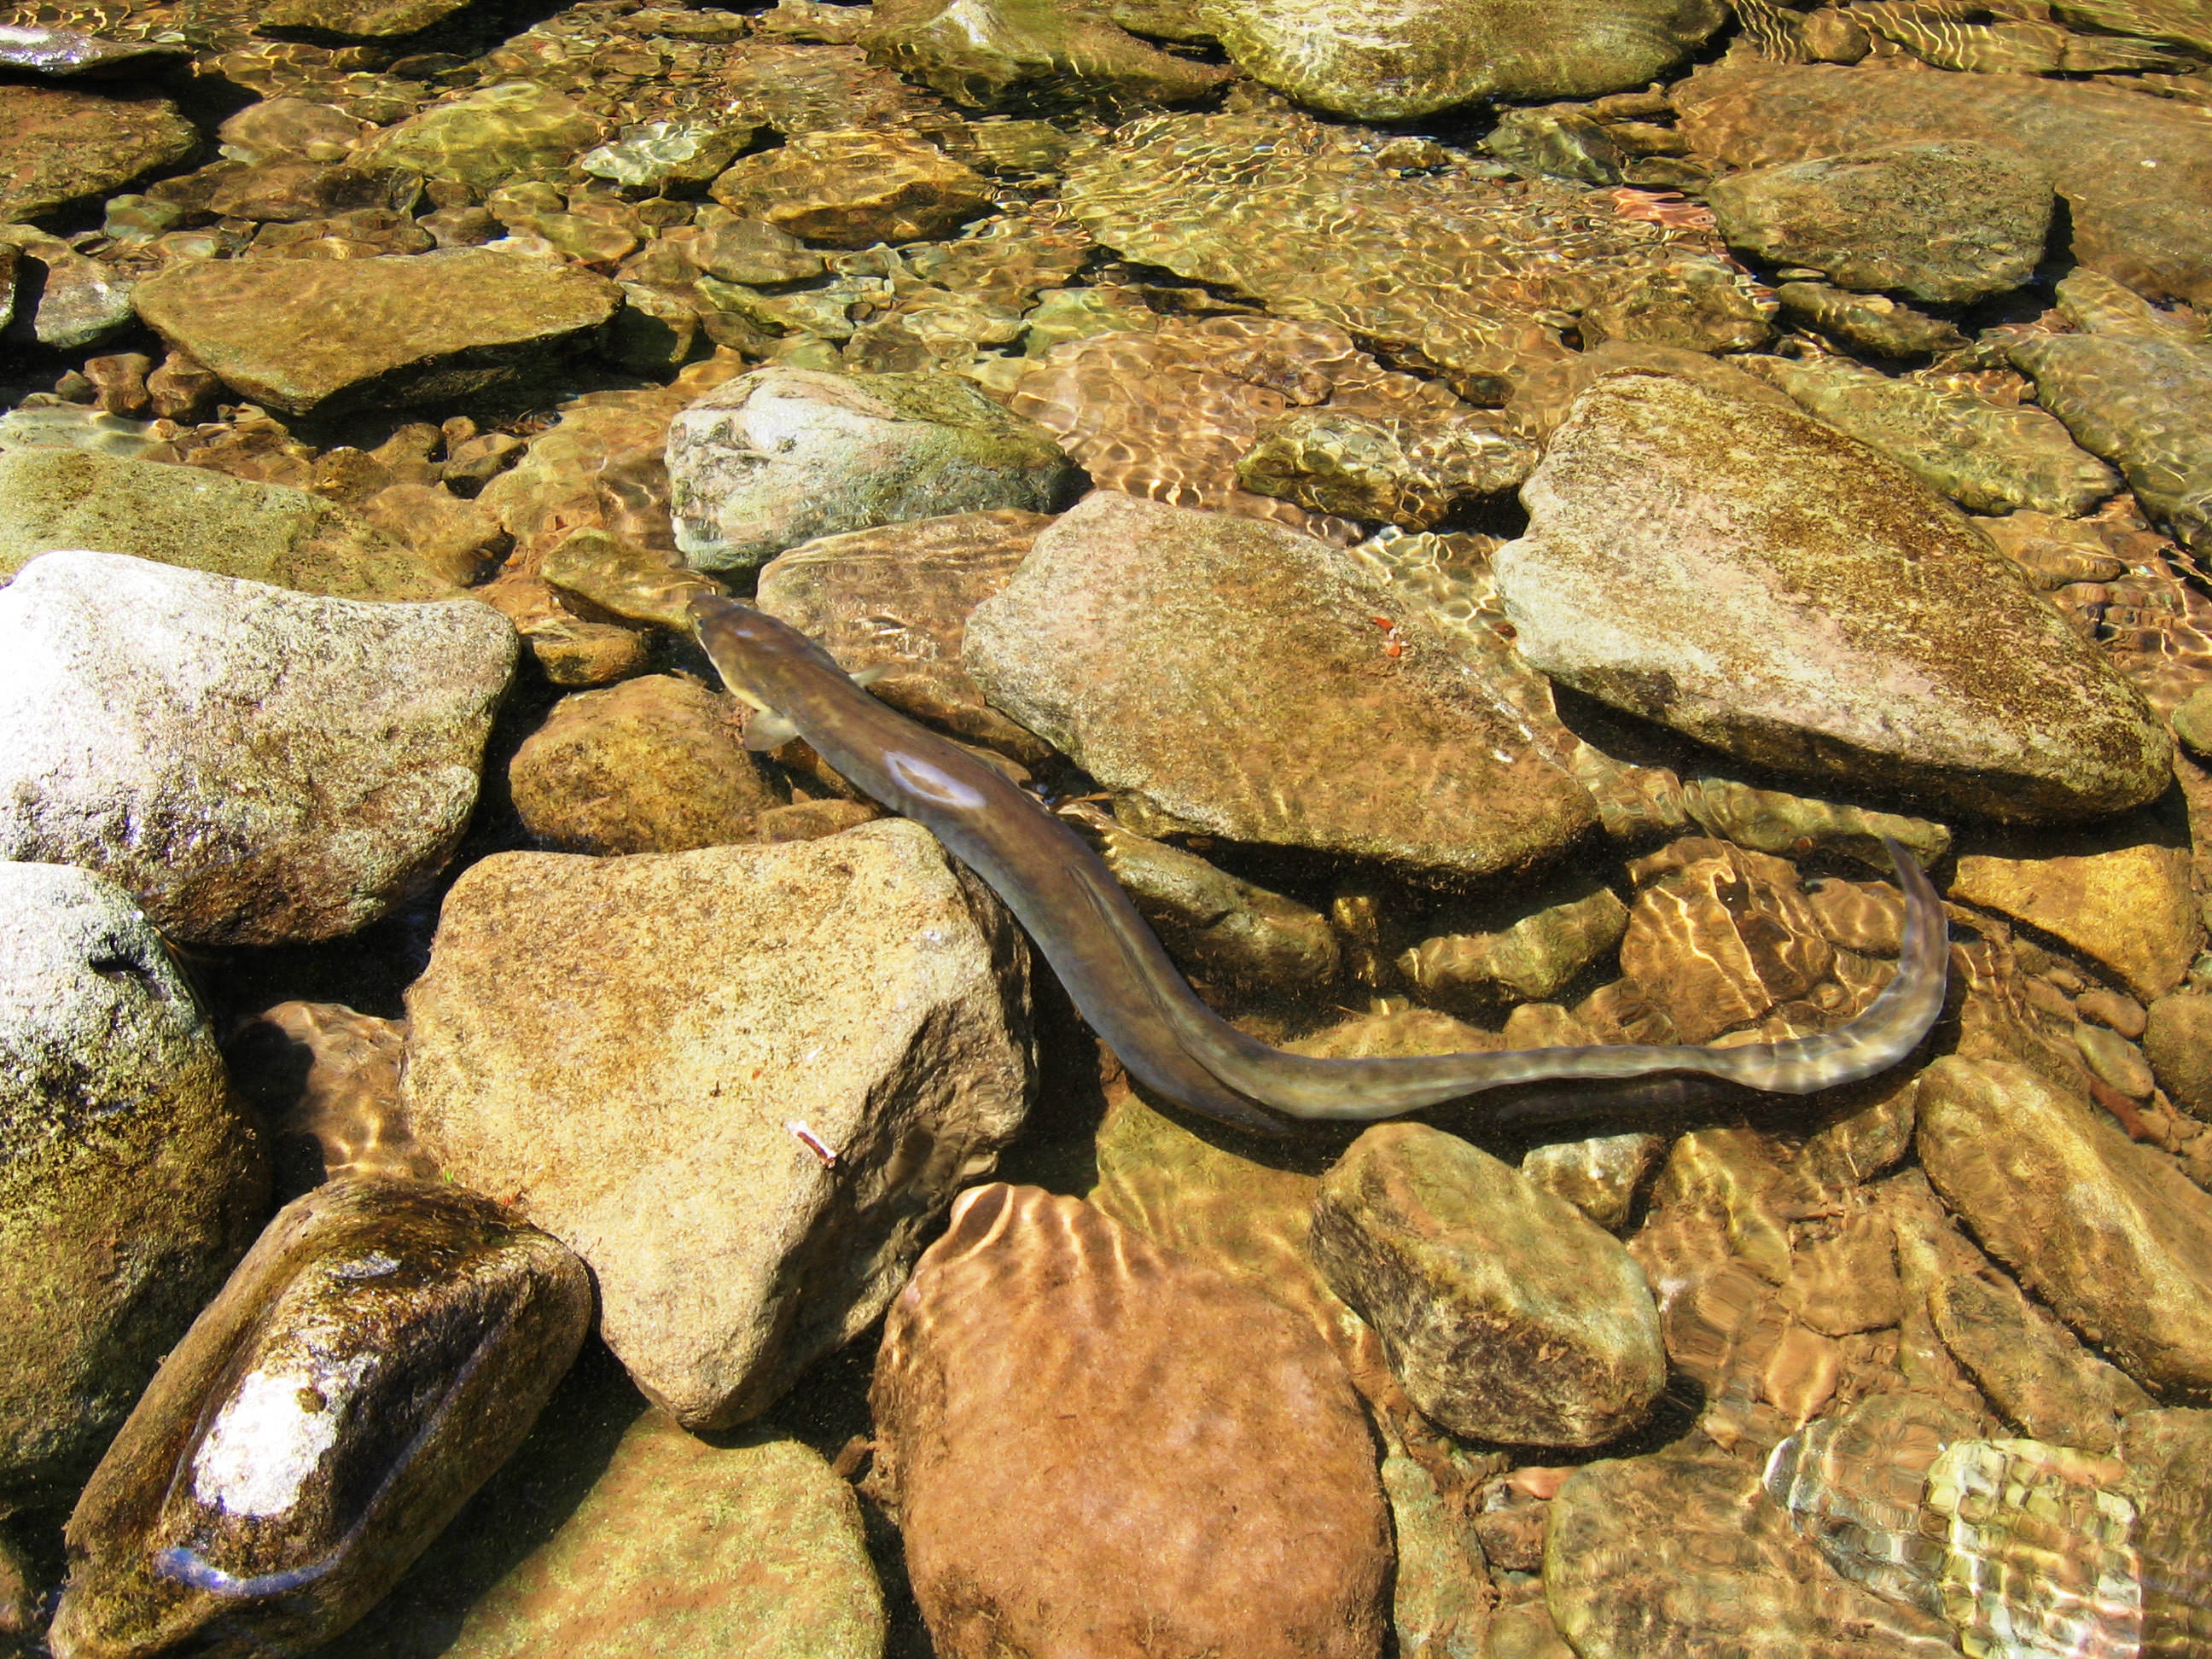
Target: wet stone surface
1483,517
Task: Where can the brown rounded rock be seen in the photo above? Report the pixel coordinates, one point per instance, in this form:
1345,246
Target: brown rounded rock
650,765
1507,1313
1096,1447
2179,1041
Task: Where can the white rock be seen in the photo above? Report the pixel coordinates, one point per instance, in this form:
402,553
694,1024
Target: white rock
255,765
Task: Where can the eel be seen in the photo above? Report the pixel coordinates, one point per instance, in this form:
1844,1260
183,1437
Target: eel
1122,981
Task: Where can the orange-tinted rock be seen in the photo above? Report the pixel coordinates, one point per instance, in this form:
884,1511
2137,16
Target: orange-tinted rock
1098,1447
2129,908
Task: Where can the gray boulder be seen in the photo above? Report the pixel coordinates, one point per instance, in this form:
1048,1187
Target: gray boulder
254,764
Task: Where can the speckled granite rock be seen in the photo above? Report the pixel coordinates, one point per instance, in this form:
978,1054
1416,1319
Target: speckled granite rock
485,137
65,143
2130,908
1019,54
326,336
1507,1313
1945,222
852,988
2110,1234
655,764
1677,1555
129,1178
2094,139
1422,56
781,456
200,520
1337,745
1989,458
2144,405
256,765
1039,1359
1933,666
855,189
378,1354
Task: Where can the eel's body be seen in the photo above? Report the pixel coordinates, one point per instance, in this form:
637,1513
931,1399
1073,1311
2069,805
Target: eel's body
1124,984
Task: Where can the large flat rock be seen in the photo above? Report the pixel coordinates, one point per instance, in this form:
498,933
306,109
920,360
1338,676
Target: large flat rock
740,1082
65,143
1228,676
257,766
201,519
2135,171
325,336
1754,579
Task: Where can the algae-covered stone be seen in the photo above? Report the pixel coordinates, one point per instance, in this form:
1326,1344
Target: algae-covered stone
1507,1313
1430,55
1526,950
855,189
2110,1234
129,1178
1001,54
1945,222
1873,324
257,766
655,764
1805,604
2144,405
1284,721
517,128
363,19
781,456
203,521
379,1353
1988,457
65,143
327,335
2130,908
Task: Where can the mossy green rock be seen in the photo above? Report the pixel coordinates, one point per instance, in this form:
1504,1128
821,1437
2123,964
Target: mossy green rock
130,1181
517,129
1805,604
1507,1313
781,456
1987,457
1421,56
326,336
203,521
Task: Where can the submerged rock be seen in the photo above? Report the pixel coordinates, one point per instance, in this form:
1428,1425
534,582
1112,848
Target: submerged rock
781,456
330,335
488,137
1944,223
855,189
65,143
2150,227
200,520
256,765
2112,1235
1431,55
1149,642
790,1056
130,1179
1030,1379
1018,54
1869,632
1507,1313
377,1355
2130,909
